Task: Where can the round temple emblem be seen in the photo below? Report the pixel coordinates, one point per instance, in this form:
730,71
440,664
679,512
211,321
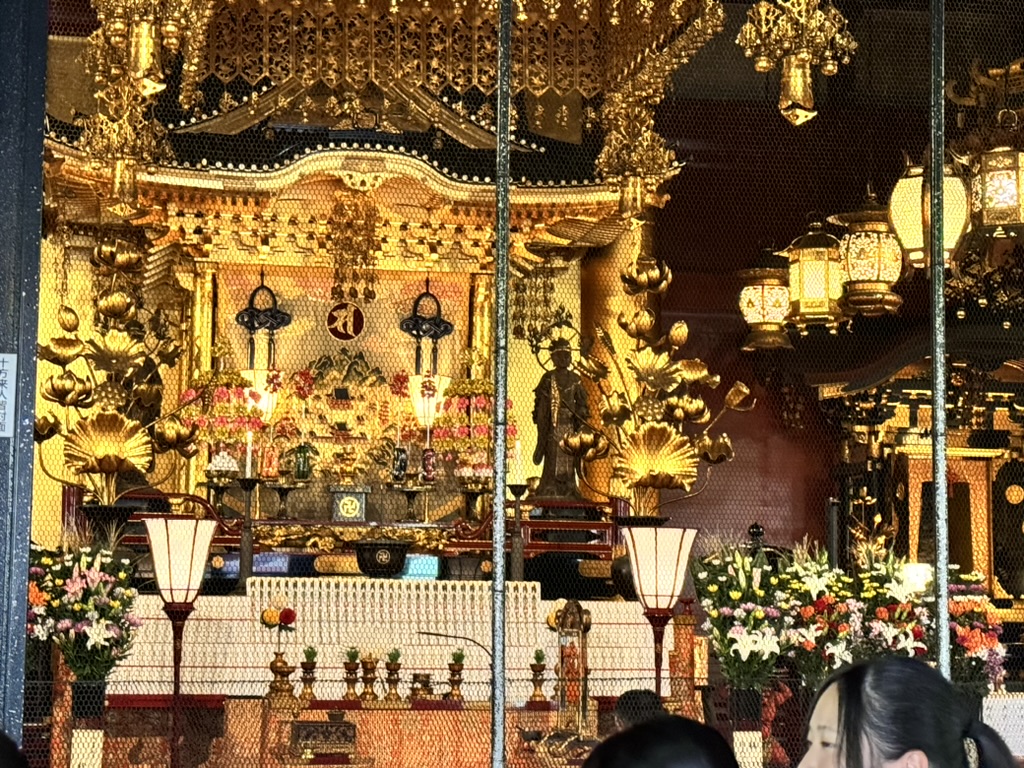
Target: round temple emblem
1014,494
345,321
382,556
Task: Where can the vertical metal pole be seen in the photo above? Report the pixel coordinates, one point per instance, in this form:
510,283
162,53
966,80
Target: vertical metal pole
938,277
23,62
502,250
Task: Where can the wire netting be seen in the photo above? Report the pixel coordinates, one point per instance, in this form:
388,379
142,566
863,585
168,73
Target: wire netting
268,298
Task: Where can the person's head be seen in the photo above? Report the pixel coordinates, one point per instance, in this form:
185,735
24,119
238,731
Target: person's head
637,706
896,712
664,742
10,755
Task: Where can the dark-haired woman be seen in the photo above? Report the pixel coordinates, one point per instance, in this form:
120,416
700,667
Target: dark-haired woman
896,712
664,742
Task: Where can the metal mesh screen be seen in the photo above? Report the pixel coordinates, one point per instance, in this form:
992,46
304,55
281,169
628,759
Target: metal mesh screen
269,299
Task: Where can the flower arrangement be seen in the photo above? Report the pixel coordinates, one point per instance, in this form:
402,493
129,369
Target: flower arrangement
462,431
81,599
977,653
279,617
819,603
222,407
738,592
892,616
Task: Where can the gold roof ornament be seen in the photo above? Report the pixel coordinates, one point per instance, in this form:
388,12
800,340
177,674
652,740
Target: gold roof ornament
798,34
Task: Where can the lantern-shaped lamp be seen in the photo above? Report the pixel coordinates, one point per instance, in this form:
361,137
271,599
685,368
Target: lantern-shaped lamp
659,558
180,546
910,214
996,199
872,258
764,303
816,278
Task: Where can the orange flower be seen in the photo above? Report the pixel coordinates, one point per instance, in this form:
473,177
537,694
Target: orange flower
809,645
843,629
36,596
882,613
960,607
807,611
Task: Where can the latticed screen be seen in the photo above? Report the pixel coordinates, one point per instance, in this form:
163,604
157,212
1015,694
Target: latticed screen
269,299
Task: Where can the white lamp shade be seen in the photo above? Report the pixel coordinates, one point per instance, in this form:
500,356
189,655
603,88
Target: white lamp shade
907,211
180,547
659,559
426,404
268,399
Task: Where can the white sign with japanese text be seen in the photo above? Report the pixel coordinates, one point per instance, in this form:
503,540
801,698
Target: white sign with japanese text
8,381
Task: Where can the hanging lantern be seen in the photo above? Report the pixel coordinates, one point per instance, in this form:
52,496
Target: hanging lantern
996,199
764,304
872,258
816,278
908,210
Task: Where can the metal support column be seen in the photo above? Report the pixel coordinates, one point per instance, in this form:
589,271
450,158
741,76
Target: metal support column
502,251
23,62
937,165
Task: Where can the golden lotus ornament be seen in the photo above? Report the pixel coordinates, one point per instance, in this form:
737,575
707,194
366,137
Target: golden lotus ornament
61,351
67,318
656,456
116,352
104,445
646,277
653,369
45,427
68,390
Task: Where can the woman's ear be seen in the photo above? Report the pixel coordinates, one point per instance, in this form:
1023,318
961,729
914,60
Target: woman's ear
915,758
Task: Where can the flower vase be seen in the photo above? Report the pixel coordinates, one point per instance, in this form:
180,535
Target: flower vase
281,694
538,682
747,739
455,681
351,680
369,680
308,678
87,699
392,680
87,702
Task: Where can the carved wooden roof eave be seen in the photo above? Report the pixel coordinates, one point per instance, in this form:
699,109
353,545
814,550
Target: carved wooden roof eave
989,347
170,189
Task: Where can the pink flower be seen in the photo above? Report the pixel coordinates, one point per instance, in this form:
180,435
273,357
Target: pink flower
221,395
481,430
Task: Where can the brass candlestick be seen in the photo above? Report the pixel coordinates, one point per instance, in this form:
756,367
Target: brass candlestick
281,694
308,678
538,682
351,679
455,681
392,681
369,679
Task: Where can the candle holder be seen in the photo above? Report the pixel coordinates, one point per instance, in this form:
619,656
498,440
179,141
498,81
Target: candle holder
412,490
248,484
455,681
351,680
284,487
518,491
217,481
538,682
308,678
392,679
369,680
473,488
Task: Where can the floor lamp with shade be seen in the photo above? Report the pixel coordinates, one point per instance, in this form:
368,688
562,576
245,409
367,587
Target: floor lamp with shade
180,546
659,558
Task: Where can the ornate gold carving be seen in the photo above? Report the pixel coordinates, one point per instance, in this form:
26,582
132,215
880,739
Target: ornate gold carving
328,538
634,156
